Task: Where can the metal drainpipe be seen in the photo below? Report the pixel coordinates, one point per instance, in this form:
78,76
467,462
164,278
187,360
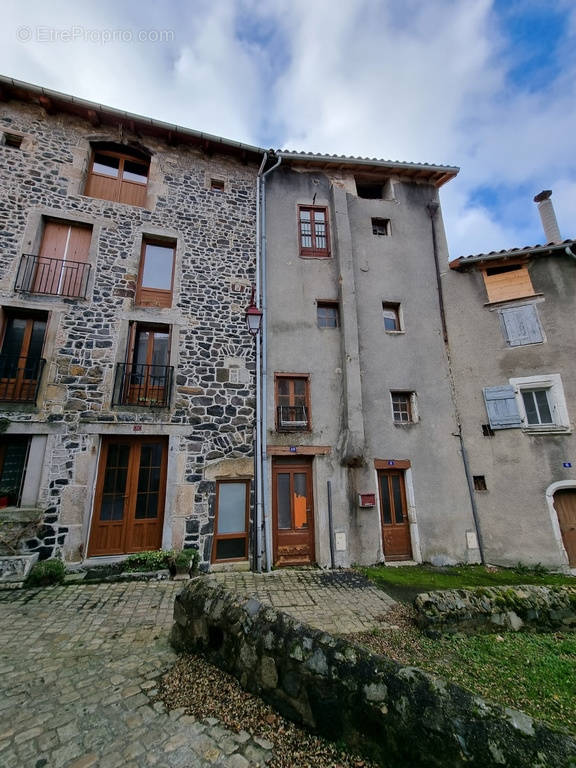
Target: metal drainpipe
264,373
433,209
258,517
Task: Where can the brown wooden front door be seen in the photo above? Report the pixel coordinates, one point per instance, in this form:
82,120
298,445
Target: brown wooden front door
293,512
130,492
394,515
565,505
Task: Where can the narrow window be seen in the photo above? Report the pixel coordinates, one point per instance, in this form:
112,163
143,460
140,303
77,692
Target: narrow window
403,407
217,185
327,314
292,402
381,227
21,361
13,140
537,405
313,232
479,483
156,276
231,520
118,176
391,315
13,458
146,377
61,268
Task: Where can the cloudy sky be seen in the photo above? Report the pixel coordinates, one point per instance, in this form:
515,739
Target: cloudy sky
488,85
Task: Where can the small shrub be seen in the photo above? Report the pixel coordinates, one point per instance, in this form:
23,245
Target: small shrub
156,560
46,573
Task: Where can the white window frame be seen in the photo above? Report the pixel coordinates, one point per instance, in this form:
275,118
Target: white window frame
551,382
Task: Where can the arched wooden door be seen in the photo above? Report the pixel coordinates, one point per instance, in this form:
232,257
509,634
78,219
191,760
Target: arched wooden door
565,506
129,502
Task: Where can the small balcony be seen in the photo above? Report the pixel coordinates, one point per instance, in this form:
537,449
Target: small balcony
292,418
52,277
20,378
144,385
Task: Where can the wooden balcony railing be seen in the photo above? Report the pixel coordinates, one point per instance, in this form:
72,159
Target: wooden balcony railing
144,385
20,378
52,277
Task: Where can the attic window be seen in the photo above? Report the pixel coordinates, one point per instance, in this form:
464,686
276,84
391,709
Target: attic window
13,140
369,190
217,185
505,282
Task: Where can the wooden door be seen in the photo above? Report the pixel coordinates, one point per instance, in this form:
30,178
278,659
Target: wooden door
565,505
130,491
20,357
293,512
61,266
394,515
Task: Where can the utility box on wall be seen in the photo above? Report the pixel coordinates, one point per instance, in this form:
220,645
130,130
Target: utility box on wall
367,500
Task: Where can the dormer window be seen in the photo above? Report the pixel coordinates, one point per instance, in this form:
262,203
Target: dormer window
119,176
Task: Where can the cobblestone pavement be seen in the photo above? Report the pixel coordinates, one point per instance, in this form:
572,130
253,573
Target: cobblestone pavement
335,601
78,671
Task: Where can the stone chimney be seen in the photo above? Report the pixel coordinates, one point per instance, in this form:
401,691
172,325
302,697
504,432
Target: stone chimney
546,209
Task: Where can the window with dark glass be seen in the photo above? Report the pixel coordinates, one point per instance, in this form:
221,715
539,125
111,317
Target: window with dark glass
381,227
292,402
231,520
313,231
13,458
21,361
327,314
391,315
537,406
118,176
402,407
156,276
146,377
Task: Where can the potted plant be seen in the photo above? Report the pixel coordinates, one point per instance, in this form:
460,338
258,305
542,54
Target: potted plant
7,496
184,562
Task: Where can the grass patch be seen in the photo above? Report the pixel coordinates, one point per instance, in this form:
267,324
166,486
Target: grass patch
532,672
426,577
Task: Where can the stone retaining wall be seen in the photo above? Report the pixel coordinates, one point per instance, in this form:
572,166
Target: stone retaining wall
399,715
492,609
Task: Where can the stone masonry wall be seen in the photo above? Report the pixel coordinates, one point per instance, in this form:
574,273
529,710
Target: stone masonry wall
492,609
211,413
399,715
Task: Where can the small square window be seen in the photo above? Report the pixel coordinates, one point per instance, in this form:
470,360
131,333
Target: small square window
381,227
537,406
13,140
217,185
479,483
391,315
403,407
327,314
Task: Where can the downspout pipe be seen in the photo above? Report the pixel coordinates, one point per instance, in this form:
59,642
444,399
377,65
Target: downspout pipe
433,209
267,519
258,516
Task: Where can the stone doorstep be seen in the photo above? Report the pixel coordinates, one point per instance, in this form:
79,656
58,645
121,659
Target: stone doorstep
15,568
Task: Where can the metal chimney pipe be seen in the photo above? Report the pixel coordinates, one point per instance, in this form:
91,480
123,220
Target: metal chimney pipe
548,216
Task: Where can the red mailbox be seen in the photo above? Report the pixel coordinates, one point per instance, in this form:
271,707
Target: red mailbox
367,500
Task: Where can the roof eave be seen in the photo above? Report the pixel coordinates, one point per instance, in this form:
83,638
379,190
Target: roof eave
514,253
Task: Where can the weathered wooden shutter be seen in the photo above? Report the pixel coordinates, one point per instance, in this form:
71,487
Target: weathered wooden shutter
502,407
521,325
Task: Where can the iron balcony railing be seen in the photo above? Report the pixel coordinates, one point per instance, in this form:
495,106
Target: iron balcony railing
20,378
292,417
52,277
145,385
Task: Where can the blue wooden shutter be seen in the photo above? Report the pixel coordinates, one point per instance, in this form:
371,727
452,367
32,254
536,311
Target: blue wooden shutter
502,407
521,325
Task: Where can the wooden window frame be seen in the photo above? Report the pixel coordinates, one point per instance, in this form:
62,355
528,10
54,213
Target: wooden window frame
328,304
20,383
392,306
155,297
410,398
223,536
313,252
292,376
122,157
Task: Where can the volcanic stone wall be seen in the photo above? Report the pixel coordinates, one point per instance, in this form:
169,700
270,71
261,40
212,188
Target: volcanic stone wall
210,416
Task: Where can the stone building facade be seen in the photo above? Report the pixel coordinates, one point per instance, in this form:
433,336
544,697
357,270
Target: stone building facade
126,370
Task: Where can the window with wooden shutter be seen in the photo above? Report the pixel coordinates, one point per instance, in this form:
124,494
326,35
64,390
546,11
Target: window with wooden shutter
507,281
502,407
521,325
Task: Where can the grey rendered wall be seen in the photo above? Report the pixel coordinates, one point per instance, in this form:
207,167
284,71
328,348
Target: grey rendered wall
353,369
517,522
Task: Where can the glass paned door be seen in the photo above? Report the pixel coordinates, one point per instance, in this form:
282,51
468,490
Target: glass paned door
232,506
20,358
394,516
129,502
293,513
